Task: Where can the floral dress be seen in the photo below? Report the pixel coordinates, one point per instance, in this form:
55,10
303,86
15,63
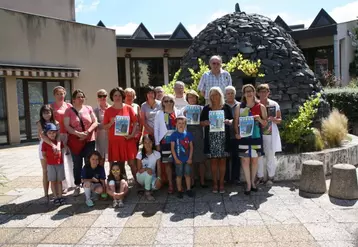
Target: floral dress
216,144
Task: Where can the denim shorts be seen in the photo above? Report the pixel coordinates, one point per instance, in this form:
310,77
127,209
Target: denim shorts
182,170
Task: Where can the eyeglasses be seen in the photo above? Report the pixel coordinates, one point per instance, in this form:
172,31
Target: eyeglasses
102,96
168,101
115,171
215,63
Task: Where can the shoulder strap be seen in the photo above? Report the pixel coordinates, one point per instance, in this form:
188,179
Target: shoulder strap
78,115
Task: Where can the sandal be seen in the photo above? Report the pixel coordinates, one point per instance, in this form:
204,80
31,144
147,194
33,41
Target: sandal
215,189
222,190
170,190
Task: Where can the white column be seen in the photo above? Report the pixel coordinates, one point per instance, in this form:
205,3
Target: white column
128,71
337,71
166,70
13,122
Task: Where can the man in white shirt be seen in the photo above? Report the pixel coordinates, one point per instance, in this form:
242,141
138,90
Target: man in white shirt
216,77
180,101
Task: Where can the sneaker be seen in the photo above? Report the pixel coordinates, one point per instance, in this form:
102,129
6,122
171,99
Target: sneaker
269,183
180,194
89,203
190,193
115,203
77,191
222,191
57,202
120,203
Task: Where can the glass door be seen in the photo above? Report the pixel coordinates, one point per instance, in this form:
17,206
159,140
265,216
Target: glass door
3,113
36,100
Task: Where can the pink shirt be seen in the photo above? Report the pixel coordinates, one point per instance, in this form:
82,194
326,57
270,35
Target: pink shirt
59,114
85,114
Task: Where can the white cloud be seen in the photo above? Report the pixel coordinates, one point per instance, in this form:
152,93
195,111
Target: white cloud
128,28
86,5
345,13
195,29
218,14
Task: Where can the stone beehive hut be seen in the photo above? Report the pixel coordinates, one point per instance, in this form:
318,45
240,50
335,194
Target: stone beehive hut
256,37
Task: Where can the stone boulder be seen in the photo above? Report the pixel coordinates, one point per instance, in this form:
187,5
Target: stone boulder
344,184
312,181
257,37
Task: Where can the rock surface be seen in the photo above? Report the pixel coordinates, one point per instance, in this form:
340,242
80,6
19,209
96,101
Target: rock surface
312,179
344,184
257,37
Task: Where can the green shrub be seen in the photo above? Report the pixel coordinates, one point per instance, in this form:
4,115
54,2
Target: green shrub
345,100
297,131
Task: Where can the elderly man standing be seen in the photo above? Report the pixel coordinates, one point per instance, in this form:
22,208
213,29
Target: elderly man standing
159,93
180,101
216,77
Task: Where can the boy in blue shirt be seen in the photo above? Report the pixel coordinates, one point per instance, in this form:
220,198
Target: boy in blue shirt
182,151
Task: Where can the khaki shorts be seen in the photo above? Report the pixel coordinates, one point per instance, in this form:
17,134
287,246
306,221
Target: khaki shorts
55,173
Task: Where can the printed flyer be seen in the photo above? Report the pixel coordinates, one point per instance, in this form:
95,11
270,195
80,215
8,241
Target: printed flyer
121,127
246,126
193,114
271,111
216,119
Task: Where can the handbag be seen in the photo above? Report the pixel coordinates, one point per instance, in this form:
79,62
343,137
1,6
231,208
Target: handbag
74,143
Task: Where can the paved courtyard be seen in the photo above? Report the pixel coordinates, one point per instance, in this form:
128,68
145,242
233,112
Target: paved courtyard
271,217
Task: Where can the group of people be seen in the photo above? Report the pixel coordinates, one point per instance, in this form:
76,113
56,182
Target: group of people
158,139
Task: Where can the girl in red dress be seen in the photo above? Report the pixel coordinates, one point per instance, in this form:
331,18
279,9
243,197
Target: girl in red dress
121,148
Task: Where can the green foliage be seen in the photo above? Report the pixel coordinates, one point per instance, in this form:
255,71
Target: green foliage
353,83
249,68
345,100
196,76
169,89
298,130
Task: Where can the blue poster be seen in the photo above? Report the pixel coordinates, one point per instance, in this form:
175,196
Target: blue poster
121,126
216,119
246,126
193,114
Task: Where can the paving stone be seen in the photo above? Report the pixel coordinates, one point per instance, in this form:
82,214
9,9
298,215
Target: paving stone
139,221
213,235
328,232
65,235
83,209
344,215
177,220
8,233
179,235
5,218
20,220
50,221
108,220
55,245
5,199
31,236
149,208
142,235
235,208
100,236
213,207
169,245
337,243
278,217
245,220
13,208
83,221
211,219
18,191
179,208
251,234
216,245
312,215
208,197
19,245
289,233
298,244
127,209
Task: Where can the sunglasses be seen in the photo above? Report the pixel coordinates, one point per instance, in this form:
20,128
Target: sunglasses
102,96
115,171
168,101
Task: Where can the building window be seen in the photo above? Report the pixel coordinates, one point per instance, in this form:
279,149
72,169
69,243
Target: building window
3,113
121,67
146,72
173,67
320,59
31,95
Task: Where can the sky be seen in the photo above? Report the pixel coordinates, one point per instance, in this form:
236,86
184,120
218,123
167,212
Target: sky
163,16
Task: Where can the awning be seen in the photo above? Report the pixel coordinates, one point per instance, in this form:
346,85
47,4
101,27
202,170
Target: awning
38,71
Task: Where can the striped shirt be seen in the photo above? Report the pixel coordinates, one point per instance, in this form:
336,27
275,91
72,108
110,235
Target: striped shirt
209,80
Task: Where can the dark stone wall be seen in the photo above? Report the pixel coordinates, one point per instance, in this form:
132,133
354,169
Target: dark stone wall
257,37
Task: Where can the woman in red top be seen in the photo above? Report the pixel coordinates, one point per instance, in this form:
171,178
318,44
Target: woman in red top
59,107
121,148
80,122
